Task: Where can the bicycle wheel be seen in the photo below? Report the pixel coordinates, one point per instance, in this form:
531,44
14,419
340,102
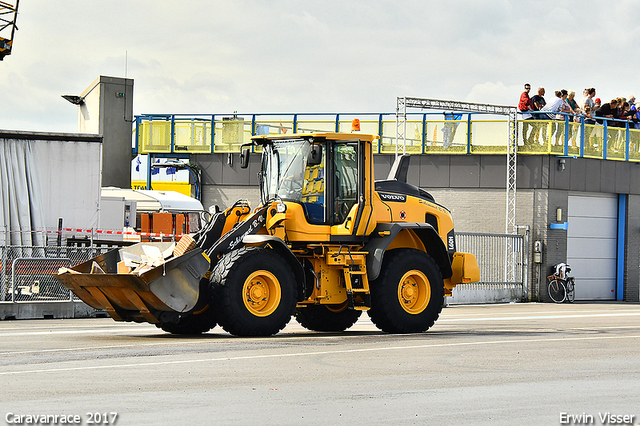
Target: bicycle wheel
571,289
557,290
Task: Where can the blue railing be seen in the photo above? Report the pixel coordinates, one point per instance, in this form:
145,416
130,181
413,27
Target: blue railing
427,133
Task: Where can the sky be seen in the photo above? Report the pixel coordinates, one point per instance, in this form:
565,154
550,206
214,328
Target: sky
279,56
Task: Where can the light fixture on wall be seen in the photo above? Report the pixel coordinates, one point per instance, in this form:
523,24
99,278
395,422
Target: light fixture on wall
74,99
561,164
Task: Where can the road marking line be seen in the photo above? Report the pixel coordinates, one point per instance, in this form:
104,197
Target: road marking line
302,354
121,328
52,332
52,323
445,313
126,329
622,314
91,348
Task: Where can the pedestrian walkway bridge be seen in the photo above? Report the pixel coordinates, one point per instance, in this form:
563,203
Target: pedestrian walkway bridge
427,133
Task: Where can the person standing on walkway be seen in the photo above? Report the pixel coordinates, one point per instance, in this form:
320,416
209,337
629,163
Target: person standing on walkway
525,106
538,104
588,100
575,110
554,109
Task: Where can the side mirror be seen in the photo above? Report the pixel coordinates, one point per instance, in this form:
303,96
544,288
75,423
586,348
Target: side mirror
244,158
315,155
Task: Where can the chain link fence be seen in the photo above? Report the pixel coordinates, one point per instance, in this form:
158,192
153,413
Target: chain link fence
491,253
27,272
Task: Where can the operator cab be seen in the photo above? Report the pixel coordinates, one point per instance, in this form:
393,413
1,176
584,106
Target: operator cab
322,174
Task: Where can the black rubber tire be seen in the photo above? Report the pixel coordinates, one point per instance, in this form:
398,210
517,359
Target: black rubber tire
557,290
228,285
204,319
193,324
387,312
321,318
571,290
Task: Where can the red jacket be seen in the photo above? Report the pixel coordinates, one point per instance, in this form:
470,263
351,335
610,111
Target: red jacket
525,102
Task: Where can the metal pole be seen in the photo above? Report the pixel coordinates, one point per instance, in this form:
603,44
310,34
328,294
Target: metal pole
566,135
525,262
401,123
582,128
93,249
59,237
604,138
3,267
511,227
149,171
468,133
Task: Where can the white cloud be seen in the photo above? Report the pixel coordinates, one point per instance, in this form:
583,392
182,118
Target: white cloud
495,93
215,56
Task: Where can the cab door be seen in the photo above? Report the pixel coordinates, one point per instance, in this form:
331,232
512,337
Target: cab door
352,178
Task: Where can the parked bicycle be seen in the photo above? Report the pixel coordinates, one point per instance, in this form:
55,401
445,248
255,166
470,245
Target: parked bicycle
561,285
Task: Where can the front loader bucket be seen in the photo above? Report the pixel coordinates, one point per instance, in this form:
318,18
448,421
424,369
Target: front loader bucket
171,287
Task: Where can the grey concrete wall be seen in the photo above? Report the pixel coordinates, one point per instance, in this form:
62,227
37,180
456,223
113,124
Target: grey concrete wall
39,310
556,239
109,114
533,172
223,184
473,188
468,171
539,232
225,195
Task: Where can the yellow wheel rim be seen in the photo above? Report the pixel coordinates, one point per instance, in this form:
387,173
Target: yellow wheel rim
414,292
261,293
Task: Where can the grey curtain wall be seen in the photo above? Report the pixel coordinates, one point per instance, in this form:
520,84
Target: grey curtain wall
44,180
21,209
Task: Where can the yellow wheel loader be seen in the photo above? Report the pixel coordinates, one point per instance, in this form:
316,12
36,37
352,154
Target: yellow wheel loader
326,243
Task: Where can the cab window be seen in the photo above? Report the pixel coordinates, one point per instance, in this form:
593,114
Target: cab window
345,180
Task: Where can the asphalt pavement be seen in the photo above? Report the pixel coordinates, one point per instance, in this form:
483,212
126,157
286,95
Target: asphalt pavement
512,364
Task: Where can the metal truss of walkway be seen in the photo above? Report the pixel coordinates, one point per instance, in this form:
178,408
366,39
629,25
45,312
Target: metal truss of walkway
403,103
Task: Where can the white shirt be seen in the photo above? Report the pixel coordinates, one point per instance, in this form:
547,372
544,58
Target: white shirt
588,102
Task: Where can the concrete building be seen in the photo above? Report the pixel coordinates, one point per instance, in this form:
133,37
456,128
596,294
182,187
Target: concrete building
105,108
583,211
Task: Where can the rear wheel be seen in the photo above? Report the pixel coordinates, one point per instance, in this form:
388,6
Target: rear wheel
408,294
255,292
557,290
327,317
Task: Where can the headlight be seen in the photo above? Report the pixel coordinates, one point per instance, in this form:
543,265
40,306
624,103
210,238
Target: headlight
281,207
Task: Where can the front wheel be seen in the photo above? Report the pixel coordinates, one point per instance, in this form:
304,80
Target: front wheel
557,290
571,290
255,292
196,323
202,319
408,295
